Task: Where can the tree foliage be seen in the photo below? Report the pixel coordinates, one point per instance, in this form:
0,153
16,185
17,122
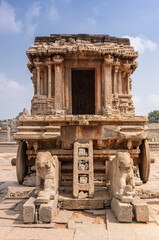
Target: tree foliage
153,116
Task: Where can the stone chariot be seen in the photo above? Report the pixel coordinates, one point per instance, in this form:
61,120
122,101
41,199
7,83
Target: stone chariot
82,111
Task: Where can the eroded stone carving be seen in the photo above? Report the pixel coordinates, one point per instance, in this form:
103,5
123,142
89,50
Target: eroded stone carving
46,186
122,177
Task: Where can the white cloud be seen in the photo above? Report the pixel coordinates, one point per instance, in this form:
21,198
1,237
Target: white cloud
8,21
96,11
142,44
13,97
5,83
91,21
53,14
31,19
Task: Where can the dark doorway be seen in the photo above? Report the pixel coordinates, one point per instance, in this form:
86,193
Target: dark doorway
83,92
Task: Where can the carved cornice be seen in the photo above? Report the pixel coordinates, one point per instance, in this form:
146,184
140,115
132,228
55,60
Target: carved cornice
71,46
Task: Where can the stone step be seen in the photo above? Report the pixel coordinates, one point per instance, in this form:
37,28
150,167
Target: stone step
100,200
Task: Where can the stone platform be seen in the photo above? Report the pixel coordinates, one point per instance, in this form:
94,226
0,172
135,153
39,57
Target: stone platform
100,200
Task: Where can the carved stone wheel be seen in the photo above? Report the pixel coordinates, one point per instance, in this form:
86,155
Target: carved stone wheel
21,167
144,166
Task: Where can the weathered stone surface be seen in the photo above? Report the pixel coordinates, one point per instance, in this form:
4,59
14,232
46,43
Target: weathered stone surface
19,192
70,204
7,206
34,234
90,234
141,210
19,205
85,223
63,216
118,230
4,231
123,211
37,225
96,212
48,210
10,214
29,211
101,200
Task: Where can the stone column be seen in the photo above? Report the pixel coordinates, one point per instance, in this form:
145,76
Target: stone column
42,84
49,80
98,91
116,79
58,60
45,82
38,80
128,85
127,71
124,87
119,82
107,69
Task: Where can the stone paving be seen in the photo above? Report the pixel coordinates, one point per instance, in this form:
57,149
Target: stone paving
76,225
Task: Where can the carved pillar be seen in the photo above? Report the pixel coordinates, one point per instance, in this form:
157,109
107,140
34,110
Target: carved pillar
45,82
107,69
116,79
119,82
124,88
58,60
42,83
38,80
98,91
49,80
128,83
127,71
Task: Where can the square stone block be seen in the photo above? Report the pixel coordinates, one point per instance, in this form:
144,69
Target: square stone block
29,211
141,210
47,211
123,211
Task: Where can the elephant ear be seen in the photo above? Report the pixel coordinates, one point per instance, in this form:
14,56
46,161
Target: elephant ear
53,161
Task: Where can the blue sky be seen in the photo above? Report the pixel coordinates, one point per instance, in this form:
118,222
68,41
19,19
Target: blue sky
22,20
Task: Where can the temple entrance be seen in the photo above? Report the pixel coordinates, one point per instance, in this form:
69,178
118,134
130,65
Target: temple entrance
83,91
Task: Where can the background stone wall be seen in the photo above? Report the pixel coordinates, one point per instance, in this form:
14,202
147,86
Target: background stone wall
4,135
153,130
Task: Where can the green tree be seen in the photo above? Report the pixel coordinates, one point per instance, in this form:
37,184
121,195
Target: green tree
153,116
